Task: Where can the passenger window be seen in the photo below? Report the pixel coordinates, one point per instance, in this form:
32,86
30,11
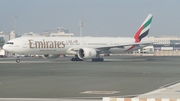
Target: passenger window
10,43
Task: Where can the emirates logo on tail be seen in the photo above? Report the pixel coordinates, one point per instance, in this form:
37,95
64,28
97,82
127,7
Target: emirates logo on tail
144,29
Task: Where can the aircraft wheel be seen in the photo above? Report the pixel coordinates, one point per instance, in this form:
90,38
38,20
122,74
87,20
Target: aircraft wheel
97,60
72,59
76,59
17,60
101,59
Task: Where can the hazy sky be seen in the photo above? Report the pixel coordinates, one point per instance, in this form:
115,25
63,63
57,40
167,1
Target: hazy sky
110,17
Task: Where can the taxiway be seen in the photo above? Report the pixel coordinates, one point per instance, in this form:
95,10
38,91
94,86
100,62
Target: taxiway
62,78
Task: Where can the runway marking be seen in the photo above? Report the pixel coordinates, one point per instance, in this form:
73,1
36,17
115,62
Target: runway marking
68,61
153,75
29,62
100,92
53,99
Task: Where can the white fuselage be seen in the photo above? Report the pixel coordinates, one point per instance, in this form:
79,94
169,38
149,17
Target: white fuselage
65,45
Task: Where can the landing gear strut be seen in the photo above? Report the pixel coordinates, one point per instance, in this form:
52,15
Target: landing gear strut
76,58
17,59
98,59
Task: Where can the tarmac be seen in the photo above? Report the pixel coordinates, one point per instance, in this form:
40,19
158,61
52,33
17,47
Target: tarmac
117,76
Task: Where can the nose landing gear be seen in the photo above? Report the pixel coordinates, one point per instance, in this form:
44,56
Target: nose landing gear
17,59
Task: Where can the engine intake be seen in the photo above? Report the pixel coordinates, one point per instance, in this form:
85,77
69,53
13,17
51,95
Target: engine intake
87,53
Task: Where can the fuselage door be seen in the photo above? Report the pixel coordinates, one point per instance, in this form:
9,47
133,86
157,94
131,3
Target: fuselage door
110,43
24,43
84,43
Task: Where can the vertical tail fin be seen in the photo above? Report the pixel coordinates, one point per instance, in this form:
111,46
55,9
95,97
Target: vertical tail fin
144,29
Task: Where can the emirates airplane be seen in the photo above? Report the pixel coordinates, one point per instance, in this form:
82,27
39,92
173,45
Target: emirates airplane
81,47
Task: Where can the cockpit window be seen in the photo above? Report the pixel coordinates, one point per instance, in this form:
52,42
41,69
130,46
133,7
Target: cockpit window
10,43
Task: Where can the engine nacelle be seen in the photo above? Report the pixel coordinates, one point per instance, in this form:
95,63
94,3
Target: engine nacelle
50,56
87,53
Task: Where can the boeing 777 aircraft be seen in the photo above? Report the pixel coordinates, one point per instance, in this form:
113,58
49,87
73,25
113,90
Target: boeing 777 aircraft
81,47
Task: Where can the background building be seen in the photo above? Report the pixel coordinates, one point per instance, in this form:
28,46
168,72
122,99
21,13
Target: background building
166,46
31,34
165,43
12,35
62,33
164,40
5,36
1,41
61,29
47,33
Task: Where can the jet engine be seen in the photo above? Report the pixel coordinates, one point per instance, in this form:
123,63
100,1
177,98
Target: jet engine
50,56
87,53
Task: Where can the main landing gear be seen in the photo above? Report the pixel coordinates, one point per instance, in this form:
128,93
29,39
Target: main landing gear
76,58
98,59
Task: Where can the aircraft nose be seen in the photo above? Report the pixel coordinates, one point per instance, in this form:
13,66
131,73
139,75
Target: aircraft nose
5,47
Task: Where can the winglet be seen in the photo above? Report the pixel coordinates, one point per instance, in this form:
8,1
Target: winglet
144,29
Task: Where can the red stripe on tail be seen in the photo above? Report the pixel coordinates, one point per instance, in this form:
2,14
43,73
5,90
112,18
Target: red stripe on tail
136,37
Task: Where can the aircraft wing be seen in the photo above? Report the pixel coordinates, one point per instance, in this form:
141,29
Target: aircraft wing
103,48
123,45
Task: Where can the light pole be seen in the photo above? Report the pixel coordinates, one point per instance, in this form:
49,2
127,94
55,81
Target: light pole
15,24
96,31
80,24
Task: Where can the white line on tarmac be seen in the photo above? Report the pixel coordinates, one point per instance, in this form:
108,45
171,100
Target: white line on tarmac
45,99
100,92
